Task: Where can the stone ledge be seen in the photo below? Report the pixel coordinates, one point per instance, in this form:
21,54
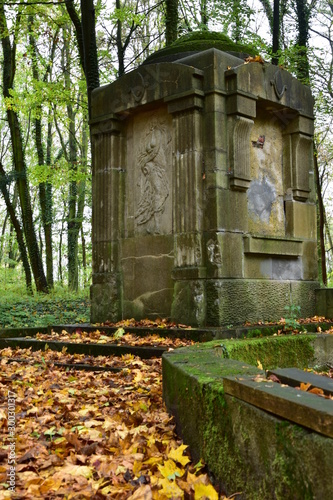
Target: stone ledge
272,246
245,448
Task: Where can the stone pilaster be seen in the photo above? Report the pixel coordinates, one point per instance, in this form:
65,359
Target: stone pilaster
188,171
298,157
188,177
107,217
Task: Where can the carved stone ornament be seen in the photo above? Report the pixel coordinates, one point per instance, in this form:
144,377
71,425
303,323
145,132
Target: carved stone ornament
154,185
139,90
278,85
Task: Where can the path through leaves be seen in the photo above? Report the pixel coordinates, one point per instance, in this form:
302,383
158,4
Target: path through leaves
95,435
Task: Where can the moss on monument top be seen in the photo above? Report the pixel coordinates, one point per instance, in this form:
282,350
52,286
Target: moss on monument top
197,41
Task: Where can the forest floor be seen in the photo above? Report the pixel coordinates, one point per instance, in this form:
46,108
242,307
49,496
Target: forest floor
91,434
96,435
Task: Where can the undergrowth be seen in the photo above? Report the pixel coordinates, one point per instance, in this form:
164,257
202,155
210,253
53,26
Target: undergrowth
18,309
42,311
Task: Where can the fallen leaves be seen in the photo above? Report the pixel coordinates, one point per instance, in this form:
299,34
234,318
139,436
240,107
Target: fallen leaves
314,390
93,435
118,337
158,322
254,59
303,386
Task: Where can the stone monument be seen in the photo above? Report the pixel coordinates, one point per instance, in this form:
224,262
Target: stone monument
203,193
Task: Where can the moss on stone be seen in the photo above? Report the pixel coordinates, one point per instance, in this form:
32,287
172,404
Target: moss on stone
202,40
282,351
245,448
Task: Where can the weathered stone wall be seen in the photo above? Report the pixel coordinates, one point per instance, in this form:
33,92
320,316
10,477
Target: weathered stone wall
203,193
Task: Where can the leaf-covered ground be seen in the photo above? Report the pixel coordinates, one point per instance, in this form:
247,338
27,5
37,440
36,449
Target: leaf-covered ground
119,337
95,435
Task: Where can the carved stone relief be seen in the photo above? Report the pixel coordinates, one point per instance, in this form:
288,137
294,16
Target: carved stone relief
213,252
151,174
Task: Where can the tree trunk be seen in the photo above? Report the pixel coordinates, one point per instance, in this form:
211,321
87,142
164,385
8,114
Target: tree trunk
89,47
171,21
303,15
276,32
9,54
17,227
321,223
45,188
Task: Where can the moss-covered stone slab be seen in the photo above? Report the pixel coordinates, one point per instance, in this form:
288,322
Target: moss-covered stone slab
246,448
300,407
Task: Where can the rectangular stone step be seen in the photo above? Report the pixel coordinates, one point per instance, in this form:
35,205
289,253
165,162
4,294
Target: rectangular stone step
301,407
294,377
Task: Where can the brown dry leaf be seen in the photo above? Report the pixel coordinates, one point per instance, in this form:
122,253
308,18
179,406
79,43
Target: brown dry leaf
255,59
316,390
102,433
142,493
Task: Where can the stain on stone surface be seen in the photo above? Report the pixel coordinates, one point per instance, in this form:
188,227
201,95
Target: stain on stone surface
261,196
259,143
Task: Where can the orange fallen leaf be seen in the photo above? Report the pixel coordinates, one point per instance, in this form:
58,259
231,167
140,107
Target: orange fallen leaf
304,387
316,390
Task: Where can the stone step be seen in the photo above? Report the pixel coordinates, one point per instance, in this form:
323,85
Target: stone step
301,407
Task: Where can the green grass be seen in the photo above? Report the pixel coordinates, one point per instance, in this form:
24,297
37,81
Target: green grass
42,311
18,309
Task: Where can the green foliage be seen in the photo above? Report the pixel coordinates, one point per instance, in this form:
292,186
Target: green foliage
18,309
43,310
292,312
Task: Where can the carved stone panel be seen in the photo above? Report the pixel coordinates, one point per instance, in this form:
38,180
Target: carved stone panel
149,181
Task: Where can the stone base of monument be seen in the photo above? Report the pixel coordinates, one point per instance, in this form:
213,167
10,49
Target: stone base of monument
258,438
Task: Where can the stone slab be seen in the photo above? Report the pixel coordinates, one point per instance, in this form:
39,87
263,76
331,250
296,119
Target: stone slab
294,377
245,448
272,246
324,302
300,407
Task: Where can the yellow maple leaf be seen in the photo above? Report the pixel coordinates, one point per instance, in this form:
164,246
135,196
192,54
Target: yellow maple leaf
50,484
170,470
137,466
170,489
259,365
153,460
177,455
205,492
